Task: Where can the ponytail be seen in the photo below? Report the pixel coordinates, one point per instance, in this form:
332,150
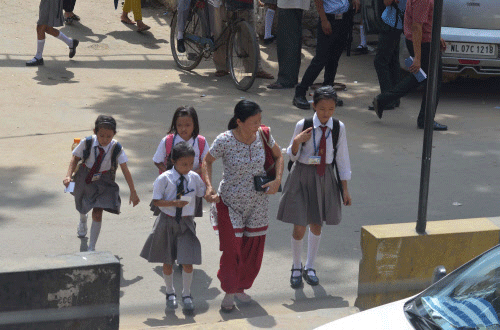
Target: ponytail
232,123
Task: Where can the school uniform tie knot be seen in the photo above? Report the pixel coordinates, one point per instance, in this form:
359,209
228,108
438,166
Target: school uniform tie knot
320,169
96,167
180,193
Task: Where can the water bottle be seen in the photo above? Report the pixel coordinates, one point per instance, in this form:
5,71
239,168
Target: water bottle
76,142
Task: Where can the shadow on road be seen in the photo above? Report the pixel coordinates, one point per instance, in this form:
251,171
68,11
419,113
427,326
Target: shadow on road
321,300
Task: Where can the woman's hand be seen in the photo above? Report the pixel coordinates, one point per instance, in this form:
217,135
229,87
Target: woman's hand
134,199
347,198
273,187
211,196
66,181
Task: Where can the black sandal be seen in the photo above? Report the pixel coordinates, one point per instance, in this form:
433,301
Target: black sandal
296,281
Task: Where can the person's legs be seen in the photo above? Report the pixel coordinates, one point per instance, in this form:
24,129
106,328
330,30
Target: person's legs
289,46
95,229
182,14
384,60
136,8
317,64
168,277
337,46
252,252
297,241
219,55
69,6
268,22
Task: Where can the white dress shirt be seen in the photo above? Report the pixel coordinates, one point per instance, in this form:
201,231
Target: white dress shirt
306,150
161,152
165,188
106,163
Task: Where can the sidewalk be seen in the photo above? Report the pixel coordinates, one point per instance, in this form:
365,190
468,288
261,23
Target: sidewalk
301,320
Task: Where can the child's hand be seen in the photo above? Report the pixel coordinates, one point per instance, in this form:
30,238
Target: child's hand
304,136
134,199
261,4
179,203
66,181
273,187
211,196
347,198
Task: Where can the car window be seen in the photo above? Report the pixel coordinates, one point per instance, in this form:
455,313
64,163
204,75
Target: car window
467,299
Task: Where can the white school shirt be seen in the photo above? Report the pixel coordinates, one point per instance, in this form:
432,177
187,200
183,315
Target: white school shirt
306,150
161,152
106,163
294,4
165,188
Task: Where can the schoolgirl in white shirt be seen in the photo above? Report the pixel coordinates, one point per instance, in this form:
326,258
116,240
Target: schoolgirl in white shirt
184,128
311,195
95,187
174,232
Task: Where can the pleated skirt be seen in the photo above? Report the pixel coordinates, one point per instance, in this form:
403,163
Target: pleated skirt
51,13
310,199
103,193
170,241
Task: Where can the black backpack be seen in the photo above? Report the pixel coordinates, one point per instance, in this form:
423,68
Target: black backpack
114,156
308,122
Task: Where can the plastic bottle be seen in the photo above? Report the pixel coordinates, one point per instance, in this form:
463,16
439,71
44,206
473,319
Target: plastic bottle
76,142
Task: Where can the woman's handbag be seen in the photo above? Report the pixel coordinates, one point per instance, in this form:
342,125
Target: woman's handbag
393,15
269,163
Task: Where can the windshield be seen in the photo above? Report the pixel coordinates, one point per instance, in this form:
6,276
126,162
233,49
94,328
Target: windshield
469,298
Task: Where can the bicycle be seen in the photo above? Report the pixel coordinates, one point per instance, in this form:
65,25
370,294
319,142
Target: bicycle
242,50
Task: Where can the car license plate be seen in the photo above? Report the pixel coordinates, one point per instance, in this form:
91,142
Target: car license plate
458,48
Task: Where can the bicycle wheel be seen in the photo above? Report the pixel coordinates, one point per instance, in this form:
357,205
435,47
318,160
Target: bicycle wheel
194,52
243,55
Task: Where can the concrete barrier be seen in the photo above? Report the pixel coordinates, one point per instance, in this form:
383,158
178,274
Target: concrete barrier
397,262
77,291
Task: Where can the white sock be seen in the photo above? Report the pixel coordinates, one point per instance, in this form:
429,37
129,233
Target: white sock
169,282
296,251
95,229
312,249
187,279
67,40
269,23
83,217
362,35
39,48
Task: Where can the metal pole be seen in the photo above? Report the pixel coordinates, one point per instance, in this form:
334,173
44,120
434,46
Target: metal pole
430,106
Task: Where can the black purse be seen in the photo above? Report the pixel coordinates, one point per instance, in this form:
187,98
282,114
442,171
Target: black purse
260,180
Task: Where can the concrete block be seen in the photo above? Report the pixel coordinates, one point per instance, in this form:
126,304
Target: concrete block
397,262
76,291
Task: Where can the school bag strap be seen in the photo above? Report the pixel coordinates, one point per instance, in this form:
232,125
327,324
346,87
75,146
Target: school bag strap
335,140
269,163
308,122
88,149
169,144
117,148
201,146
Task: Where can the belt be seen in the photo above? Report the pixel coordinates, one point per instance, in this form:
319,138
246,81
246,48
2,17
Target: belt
337,16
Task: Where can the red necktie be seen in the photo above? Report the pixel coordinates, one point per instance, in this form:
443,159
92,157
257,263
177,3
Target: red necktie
95,168
322,152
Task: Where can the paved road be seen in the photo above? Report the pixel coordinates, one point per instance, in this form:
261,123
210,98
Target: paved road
132,76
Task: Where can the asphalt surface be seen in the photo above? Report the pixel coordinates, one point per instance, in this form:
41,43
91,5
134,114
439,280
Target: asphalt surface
132,76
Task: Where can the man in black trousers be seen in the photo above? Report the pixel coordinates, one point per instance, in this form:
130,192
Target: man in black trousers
289,42
69,16
333,30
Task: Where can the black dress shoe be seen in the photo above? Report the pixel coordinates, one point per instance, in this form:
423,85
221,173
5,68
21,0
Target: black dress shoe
72,50
372,108
301,102
437,126
269,40
339,103
310,279
180,46
377,108
296,281
35,62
